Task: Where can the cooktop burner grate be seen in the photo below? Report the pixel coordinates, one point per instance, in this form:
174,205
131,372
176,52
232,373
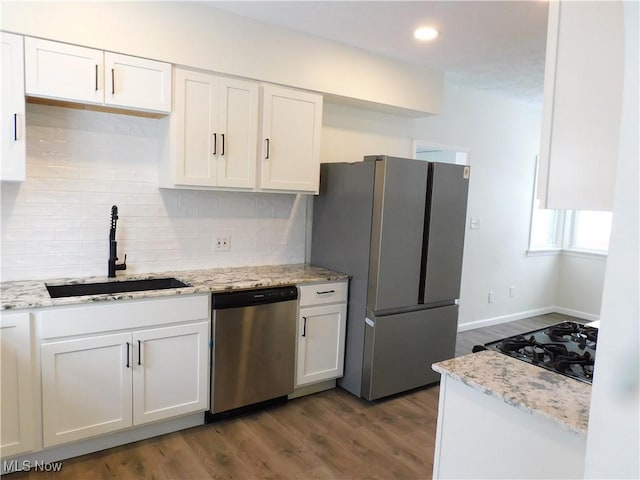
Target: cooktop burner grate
568,348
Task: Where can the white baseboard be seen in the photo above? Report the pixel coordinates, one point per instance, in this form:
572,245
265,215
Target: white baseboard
577,313
487,322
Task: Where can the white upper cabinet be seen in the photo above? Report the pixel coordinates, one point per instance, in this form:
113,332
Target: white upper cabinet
238,124
12,109
83,75
215,142
213,132
137,83
582,105
61,71
291,127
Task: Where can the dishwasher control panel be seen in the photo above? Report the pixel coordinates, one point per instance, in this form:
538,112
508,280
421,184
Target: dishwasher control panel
245,298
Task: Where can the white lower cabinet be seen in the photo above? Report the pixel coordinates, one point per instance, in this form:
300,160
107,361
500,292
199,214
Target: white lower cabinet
93,384
16,387
86,387
321,332
169,371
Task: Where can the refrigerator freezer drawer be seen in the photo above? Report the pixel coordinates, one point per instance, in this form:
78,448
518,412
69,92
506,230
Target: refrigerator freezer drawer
400,349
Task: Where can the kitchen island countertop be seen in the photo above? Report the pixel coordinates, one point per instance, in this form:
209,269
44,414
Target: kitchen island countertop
33,293
540,392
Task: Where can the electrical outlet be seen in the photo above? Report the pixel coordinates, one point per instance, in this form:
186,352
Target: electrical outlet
512,291
222,243
490,296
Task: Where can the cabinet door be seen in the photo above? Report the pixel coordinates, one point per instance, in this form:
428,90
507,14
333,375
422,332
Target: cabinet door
16,392
170,372
291,124
12,105
86,387
194,128
139,83
237,143
321,332
61,71
582,105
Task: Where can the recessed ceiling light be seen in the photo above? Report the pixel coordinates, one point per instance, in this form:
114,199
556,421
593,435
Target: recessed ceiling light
425,34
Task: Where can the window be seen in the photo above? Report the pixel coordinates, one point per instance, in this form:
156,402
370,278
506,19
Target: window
579,230
590,230
572,230
546,228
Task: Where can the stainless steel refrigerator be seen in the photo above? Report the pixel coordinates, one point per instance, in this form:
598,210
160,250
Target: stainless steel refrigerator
397,227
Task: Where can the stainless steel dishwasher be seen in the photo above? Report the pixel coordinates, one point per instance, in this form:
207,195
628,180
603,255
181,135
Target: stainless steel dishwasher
253,354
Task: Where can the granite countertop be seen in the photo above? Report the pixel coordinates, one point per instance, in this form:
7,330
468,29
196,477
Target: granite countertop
541,392
33,293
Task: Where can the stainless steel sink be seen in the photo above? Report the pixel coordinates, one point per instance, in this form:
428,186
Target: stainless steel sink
81,289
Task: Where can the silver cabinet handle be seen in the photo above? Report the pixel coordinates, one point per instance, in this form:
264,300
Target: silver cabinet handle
139,352
128,349
304,327
113,81
15,127
215,143
267,157
222,145
326,292
96,78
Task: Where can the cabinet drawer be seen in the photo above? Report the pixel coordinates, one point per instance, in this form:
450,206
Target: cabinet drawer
321,293
88,319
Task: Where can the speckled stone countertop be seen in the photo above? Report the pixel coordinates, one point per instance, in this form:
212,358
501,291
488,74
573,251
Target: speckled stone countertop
536,390
33,293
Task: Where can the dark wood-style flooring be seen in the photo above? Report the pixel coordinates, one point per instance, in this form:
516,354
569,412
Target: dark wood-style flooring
328,435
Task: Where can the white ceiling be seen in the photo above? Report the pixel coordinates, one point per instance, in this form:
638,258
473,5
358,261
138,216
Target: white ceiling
492,45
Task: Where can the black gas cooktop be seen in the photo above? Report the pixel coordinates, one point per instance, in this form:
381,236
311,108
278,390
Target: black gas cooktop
568,348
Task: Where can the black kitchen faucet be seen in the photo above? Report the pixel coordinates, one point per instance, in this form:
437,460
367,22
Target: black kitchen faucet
113,246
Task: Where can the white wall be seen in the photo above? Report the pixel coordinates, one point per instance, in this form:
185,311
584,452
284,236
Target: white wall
503,138
580,283
80,163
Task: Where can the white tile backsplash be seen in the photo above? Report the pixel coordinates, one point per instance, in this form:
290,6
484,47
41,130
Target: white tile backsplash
80,163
